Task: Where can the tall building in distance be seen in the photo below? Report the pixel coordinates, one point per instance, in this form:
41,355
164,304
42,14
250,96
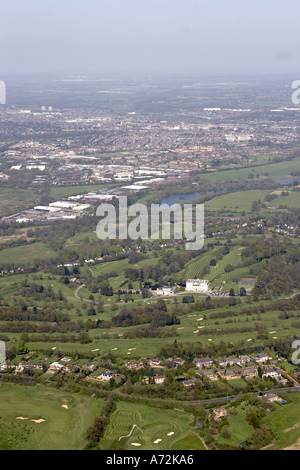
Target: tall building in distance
2,92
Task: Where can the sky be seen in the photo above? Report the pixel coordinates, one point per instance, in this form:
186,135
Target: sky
149,37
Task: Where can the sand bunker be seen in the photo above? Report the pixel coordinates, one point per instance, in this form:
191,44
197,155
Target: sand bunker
38,420
135,444
20,417
170,433
65,406
157,441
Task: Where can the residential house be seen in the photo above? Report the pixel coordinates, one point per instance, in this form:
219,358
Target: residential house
159,379
135,365
210,374
271,397
249,372
243,360
165,291
262,358
154,362
24,365
178,361
201,362
107,375
70,368
89,366
190,382
230,374
220,412
271,372
54,367
227,361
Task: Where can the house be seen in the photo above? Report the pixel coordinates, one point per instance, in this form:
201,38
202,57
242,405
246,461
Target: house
220,412
271,372
134,365
201,362
243,360
70,368
196,285
230,374
39,366
271,397
54,367
190,382
24,365
159,379
4,367
89,366
262,358
154,362
166,290
249,372
107,375
210,374
226,361
178,361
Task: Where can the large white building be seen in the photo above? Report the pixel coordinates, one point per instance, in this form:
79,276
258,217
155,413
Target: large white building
197,285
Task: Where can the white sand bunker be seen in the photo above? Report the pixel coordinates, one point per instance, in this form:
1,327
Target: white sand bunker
20,417
135,444
38,420
65,406
157,441
170,433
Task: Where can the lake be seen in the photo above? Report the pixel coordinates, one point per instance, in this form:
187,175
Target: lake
177,198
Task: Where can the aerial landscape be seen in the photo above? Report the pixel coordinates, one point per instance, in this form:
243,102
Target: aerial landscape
115,334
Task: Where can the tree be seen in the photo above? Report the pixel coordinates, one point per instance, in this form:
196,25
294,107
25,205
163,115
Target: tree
22,349
243,292
231,292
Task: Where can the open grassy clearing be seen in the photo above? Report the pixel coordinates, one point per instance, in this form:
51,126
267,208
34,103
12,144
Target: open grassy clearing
285,422
274,170
26,254
62,428
14,200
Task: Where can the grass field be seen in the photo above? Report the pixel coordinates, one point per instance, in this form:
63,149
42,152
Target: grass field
151,428
285,422
62,428
15,200
240,430
26,254
274,170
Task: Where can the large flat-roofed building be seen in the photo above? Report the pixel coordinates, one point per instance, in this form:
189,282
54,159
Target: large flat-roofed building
197,285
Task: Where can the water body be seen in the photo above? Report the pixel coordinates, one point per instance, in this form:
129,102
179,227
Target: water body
177,198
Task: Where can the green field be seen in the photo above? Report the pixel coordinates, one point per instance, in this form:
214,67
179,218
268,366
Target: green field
274,170
285,422
149,427
62,428
26,254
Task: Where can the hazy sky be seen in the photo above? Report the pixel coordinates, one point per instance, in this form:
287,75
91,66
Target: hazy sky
149,36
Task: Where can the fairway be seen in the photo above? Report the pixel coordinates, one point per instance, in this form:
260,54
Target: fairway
147,428
40,418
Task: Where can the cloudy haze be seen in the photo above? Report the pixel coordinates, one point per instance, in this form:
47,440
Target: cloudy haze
149,37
